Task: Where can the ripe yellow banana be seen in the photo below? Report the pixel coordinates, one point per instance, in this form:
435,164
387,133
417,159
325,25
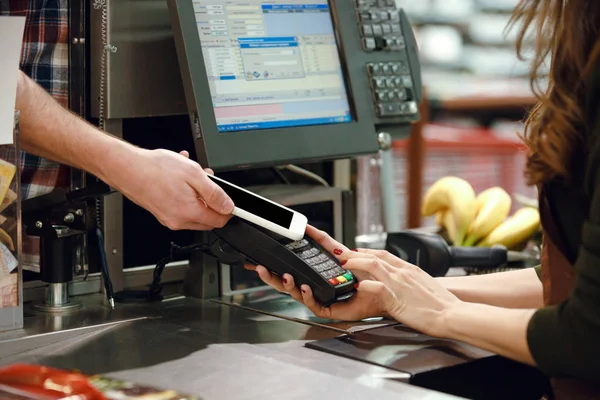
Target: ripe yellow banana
439,218
447,222
457,196
493,206
515,230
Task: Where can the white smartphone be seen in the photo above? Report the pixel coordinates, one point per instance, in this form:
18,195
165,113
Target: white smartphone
264,212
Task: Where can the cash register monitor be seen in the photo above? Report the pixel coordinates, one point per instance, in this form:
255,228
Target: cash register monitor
268,82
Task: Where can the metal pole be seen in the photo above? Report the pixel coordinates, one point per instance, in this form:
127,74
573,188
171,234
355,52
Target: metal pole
389,197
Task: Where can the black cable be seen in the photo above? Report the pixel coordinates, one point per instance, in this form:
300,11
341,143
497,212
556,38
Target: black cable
104,265
154,293
281,176
102,252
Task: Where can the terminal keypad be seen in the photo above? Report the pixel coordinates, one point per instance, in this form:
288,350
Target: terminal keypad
392,88
322,263
395,95
380,25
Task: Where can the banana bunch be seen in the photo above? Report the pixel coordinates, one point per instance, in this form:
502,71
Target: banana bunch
481,220
493,206
517,229
455,198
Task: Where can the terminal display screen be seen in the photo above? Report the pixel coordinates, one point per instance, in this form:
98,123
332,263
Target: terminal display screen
271,64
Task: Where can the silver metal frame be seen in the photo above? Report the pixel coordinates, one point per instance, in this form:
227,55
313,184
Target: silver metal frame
112,221
12,317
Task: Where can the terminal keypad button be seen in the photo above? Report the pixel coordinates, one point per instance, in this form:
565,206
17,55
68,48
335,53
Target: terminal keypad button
369,44
391,85
379,83
377,30
380,20
322,263
382,95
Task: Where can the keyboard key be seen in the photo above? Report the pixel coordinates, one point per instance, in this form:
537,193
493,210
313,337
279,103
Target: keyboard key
329,265
312,261
374,68
369,44
297,245
320,267
339,271
377,30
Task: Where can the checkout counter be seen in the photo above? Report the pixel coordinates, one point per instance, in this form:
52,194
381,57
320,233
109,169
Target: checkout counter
246,87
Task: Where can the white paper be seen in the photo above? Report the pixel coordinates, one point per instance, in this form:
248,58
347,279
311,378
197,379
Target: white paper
11,40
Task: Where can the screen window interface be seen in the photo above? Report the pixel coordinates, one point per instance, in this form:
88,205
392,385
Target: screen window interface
271,64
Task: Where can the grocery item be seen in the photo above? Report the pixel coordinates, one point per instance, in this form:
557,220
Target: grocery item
493,206
457,197
10,198
36,382
7,173
7,240
517,229
445,220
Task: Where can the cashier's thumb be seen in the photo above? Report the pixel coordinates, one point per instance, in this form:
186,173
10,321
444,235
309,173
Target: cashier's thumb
379,290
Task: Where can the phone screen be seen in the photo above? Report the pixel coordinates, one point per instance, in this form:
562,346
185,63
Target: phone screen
257,206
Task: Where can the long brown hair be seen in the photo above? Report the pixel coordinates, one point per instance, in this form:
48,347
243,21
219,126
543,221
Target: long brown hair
565,34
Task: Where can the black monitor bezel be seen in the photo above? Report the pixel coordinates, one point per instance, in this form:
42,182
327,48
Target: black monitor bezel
245,149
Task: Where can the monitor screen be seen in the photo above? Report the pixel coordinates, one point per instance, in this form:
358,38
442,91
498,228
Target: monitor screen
272,64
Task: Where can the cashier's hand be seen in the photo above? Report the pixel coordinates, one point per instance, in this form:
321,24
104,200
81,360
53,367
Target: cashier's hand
388,286
176,190
362,305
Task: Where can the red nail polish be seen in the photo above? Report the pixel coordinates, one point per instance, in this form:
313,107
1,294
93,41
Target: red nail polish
356,285
337,252
354,249
343,262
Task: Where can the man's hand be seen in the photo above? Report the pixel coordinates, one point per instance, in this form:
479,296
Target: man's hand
175,189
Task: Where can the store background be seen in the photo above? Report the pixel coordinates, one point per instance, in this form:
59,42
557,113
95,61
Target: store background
478,90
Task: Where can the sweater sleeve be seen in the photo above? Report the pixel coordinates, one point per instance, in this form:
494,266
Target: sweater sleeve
538,271
564,340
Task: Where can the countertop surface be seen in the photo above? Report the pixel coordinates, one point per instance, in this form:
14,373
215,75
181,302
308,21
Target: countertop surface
205,348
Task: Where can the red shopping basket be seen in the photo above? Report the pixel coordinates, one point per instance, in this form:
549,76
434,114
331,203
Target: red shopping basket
482,157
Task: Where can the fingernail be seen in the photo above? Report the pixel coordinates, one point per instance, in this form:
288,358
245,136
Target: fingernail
356,285
354,249
227,207
343,262
284,280
337,252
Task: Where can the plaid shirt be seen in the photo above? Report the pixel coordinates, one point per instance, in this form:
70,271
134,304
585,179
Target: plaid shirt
45,59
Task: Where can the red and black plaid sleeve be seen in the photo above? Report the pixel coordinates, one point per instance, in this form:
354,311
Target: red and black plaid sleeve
45,59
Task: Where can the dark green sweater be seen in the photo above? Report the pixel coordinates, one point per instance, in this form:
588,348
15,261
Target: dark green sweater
565,339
